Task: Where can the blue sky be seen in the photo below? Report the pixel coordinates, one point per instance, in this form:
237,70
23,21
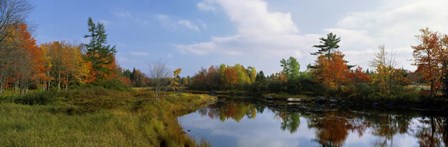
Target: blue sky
191,34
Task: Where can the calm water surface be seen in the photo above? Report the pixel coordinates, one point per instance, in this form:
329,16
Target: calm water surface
255,124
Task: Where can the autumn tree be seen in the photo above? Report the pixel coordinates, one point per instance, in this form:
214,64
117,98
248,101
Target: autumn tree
13,13
176,80
100,54
66,65
25,63
138,78
359,76
383,63
243,75
199,80
224,77
429,59
213,78
332,72
231,76
8,49
252,73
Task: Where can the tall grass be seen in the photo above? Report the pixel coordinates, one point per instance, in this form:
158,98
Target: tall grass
96,117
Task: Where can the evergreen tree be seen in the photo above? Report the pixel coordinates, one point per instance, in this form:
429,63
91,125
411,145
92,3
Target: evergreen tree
260,76
99,53
327,45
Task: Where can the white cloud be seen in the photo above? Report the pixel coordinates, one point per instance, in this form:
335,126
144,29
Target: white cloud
206,5
261,34
198,48
188,24
173,24
394,24
252,17
266,36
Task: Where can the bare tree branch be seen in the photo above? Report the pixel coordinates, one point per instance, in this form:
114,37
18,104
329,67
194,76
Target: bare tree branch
159,74
12,12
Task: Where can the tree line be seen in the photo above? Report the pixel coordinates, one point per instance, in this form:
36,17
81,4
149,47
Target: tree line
331,75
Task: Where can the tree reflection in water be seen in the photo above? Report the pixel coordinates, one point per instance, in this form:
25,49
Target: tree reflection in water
290,120
386,126
332,127
432,131
230,110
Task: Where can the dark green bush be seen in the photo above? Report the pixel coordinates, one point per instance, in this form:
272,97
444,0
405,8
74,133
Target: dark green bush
113,84
36,98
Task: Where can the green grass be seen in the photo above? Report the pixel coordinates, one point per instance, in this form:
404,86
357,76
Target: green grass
96,117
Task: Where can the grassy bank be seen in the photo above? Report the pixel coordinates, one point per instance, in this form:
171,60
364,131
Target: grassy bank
96,117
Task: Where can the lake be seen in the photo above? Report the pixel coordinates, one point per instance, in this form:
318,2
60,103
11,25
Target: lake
251,123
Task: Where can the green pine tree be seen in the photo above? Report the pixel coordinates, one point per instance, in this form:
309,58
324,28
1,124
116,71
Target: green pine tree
327,45
99,53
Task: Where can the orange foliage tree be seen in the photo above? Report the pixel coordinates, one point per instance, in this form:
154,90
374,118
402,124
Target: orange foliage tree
332,71
359,76
430,58
224,77
231,76
24,65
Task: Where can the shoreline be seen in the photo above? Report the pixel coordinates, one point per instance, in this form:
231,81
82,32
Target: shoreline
98,117
424,104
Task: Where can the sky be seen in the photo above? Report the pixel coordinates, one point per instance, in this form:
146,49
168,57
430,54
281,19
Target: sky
195,34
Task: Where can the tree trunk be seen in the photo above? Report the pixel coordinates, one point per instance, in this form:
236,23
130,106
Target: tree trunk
59,82
432,81
67,83
16,86
444,78
48,82
1,87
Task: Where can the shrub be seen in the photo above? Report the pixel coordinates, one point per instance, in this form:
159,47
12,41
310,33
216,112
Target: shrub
113,84
37,98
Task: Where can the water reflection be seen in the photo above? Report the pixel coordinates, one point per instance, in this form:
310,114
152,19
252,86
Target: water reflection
290,121
245,123
432,131
332,129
